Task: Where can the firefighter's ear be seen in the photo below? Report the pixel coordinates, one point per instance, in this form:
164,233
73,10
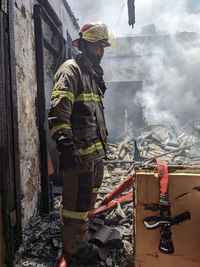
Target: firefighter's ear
81,45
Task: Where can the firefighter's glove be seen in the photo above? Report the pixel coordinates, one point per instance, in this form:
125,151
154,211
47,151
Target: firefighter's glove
67,154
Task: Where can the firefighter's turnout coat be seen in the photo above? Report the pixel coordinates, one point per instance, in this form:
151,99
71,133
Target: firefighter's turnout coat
78,126
76,113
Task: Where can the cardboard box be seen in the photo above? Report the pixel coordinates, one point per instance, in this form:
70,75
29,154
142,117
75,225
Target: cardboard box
184,196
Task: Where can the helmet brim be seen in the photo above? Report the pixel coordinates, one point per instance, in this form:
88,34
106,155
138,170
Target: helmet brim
104,43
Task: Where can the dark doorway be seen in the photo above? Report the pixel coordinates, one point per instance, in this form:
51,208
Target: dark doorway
122,114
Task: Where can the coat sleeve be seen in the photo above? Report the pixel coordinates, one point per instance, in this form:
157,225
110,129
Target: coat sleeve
62,101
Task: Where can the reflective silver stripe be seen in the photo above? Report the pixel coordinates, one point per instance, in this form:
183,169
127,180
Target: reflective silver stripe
74,215
88,97
95,190
91,149
58,127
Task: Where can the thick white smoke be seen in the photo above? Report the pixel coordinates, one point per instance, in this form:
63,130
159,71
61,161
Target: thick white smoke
170,16
167,15
170,91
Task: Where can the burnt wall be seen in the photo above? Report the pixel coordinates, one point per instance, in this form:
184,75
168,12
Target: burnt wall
27,99
26,94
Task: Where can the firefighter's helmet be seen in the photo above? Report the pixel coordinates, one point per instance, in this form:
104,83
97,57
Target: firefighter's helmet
94,32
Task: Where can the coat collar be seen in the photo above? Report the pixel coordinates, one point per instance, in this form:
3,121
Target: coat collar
85,63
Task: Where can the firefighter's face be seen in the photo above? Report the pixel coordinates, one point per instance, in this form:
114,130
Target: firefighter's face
96,48
95,52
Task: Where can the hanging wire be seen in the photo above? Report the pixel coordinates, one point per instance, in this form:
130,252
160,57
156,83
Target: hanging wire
120,14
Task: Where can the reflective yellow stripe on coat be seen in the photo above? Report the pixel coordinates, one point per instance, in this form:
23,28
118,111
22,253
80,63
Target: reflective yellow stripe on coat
63,94
95,190
74,215
58,127
91,149
88,97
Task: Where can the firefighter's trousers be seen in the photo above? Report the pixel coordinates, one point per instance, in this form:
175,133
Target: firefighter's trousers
80,188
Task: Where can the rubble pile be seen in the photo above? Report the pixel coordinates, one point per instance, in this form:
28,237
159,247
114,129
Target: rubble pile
115,236
42,241
180,147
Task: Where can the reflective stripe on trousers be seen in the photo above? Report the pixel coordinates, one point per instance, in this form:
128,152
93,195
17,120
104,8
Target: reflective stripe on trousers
78,198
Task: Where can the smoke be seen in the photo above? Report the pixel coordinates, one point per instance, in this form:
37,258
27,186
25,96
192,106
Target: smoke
167,15
170,91
170,16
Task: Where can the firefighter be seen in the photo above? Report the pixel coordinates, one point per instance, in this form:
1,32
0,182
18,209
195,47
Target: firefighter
77,124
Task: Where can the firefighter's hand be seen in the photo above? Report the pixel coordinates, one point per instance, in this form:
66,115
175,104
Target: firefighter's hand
67,155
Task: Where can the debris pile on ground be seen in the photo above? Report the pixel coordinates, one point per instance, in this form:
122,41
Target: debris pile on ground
180,147
117,229
42,241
